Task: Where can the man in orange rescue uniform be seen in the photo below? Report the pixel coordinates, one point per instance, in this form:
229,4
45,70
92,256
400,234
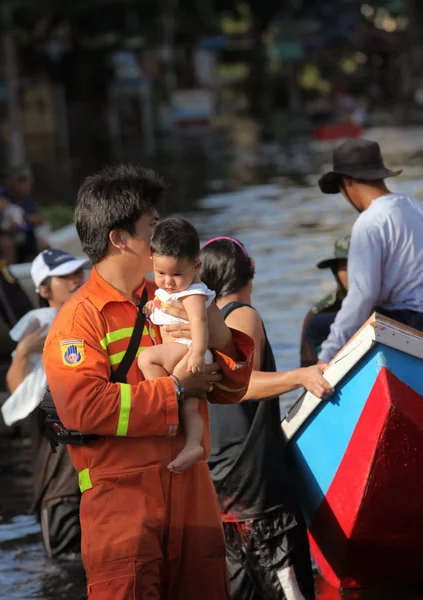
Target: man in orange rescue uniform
147,534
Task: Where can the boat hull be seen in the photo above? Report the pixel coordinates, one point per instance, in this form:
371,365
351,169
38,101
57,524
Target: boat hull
359,463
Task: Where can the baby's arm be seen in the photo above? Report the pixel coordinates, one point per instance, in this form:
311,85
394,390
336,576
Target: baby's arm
195,305
148,308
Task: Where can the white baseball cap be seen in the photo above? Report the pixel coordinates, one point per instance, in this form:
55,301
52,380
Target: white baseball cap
55,263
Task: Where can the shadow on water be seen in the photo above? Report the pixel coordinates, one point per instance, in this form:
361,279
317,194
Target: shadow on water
287,229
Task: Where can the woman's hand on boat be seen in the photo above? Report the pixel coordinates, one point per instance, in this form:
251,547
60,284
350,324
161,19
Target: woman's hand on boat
313,381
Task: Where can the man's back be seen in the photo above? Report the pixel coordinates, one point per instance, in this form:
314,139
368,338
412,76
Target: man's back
385,266
395,223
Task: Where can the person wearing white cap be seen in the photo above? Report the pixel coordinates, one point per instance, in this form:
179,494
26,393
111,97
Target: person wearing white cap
60,269
56,276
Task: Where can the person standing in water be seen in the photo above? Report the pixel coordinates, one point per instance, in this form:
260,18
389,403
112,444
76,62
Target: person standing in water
317,322
56,275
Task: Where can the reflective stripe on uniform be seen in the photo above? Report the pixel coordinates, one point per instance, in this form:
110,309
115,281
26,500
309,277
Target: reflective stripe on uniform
125,409
120,334
84,480
115,359
227,389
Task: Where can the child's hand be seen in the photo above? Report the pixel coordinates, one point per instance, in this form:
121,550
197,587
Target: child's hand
196,363
149,308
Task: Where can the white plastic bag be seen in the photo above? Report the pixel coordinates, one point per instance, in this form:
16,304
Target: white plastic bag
29,393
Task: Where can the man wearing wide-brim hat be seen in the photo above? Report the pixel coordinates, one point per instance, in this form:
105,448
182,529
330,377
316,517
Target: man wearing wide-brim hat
385,260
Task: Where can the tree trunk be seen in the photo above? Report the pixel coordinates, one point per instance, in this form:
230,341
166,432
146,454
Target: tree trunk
16,145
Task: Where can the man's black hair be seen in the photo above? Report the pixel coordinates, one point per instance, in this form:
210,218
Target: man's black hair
177,238
225,268
115,198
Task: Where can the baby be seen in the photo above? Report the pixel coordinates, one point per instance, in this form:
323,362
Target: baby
175,248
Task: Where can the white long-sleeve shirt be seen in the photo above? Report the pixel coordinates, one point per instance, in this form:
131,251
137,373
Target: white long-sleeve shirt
385,266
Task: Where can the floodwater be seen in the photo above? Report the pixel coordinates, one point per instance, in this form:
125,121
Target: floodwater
287,228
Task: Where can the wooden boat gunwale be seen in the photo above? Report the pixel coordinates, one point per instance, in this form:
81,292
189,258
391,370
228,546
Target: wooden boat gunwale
377,329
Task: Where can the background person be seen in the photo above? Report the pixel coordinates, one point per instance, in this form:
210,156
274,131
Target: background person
56,276
11,221
19,190
386,247
316,326
267,547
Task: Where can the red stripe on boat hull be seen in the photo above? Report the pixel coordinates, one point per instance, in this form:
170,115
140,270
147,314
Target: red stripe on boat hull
369,527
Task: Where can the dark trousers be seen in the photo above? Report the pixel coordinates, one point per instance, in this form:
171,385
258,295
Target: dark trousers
407,317
258,550
61,529
318,330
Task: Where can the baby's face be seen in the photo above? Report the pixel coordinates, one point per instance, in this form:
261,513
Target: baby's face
173,274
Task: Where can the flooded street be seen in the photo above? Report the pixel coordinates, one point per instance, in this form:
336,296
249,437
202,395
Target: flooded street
287,229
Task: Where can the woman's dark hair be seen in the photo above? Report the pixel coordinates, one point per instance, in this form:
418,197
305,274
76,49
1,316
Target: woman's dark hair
43,302
114,198
177,238
225,268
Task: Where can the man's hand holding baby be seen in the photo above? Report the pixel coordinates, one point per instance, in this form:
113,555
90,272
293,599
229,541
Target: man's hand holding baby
197,385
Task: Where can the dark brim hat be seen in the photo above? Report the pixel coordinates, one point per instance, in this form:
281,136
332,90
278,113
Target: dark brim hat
340,253
358,159
328,263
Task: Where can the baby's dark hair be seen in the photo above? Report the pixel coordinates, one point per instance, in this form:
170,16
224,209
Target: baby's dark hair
176,238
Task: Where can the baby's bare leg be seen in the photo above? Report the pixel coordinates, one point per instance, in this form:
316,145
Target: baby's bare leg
159,361
193,429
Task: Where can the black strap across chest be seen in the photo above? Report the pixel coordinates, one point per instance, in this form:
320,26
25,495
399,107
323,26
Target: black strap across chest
119,375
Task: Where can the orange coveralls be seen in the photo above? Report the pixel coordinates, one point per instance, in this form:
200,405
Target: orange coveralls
146,533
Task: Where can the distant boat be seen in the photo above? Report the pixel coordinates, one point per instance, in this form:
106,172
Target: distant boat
338,131
358,458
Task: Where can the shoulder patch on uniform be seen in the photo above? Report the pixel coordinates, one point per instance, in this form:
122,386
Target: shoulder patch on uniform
73,352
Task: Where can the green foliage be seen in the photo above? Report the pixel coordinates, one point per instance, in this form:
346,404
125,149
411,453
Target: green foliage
57,215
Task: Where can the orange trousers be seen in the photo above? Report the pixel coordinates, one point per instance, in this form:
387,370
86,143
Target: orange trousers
152,535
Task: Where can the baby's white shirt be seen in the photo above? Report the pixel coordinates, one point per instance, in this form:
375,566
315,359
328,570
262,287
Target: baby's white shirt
158,317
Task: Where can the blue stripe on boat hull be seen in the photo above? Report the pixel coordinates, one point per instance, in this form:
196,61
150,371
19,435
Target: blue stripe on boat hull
319,446
316,461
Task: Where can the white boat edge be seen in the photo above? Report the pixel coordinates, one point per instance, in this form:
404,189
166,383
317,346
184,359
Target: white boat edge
377,328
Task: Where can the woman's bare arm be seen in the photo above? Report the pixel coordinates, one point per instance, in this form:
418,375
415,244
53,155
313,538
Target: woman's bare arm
265,385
